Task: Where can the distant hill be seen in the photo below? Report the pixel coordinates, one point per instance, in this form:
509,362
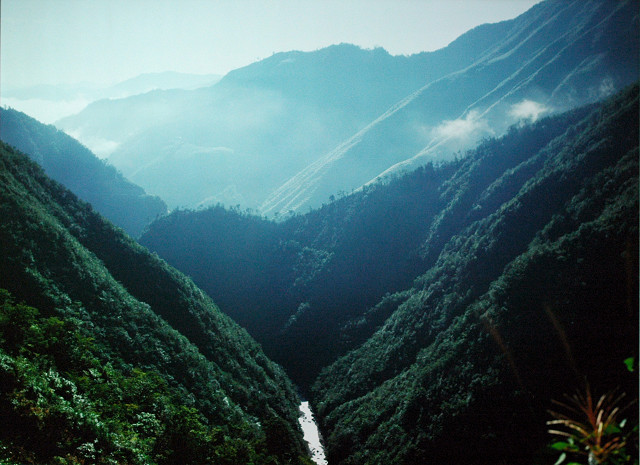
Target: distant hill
72,164
136,85
286,133
295,106
159,81
109,355
438,314
49,102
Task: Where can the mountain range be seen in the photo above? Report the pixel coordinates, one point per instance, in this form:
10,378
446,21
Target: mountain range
286,133
136,85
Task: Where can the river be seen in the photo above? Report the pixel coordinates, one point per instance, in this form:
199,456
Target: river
311,434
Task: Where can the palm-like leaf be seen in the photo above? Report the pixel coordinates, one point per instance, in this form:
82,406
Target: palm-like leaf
594,425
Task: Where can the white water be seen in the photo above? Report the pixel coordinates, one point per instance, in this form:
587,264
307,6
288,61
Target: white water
311,434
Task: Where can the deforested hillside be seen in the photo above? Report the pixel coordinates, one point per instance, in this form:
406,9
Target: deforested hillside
436,315
70,163
109,355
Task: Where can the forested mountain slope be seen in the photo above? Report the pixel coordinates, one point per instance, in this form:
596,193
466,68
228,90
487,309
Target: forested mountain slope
114,356
533,292
70,163
528,243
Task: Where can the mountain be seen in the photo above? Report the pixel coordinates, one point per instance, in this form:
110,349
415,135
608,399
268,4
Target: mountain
556,56
434,317
159,81
109,355
294,105
104,124
530,296
72,164
286,133
50,92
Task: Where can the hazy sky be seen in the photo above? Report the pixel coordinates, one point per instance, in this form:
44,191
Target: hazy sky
105,41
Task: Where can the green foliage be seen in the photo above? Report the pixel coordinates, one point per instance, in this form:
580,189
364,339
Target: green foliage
56,388
153,344
524,298
630,363
593,429
246,262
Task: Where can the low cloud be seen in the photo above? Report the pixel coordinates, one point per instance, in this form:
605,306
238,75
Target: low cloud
607,87
99,146
45,111
468,127
528,110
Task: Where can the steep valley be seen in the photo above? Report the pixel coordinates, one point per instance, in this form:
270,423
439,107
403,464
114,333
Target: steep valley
424,256
391,305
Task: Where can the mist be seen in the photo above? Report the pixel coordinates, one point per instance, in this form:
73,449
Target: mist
528,110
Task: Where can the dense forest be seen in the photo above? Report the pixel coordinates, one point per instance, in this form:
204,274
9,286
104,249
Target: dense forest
438,313
73,165
109,355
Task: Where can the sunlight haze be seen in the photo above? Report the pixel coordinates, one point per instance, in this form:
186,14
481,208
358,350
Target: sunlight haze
71,41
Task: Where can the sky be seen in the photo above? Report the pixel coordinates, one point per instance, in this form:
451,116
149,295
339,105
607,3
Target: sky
108,41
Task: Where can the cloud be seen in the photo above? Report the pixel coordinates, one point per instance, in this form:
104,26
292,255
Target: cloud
607,87
45,111
468,127
528,110
99,146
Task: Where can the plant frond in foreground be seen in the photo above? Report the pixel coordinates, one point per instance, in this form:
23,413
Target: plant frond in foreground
593,427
